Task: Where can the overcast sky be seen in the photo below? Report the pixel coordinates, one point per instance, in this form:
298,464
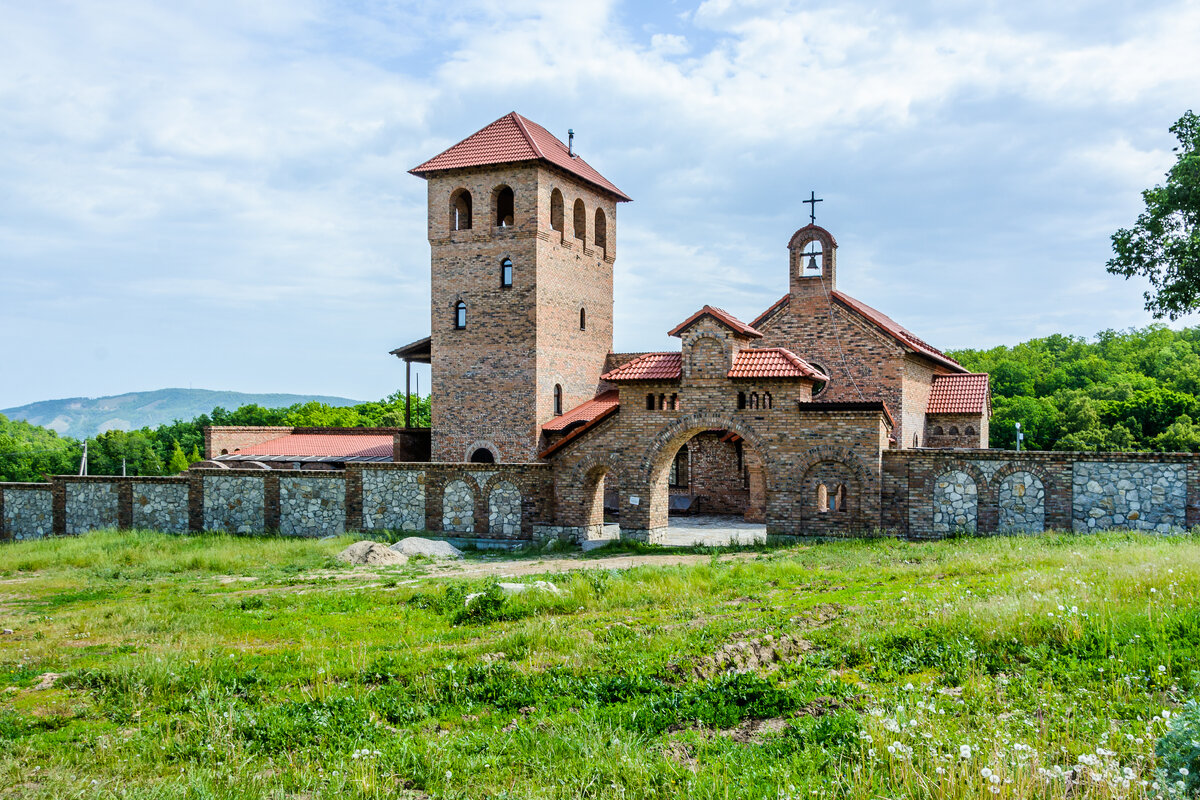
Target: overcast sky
215,194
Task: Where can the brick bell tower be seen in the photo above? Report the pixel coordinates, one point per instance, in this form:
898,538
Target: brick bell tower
523,239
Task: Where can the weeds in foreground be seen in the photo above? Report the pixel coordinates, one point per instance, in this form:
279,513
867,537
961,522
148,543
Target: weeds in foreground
145,665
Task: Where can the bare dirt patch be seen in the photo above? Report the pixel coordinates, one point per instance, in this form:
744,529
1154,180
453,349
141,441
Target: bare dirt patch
748,653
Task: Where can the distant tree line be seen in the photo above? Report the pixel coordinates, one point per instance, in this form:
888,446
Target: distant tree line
1126,390
30,452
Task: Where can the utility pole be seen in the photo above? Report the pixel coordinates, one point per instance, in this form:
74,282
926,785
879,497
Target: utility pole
83,461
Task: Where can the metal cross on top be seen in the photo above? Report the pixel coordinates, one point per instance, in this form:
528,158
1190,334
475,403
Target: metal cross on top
812,202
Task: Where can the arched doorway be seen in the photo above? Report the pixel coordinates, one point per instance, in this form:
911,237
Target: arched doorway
707,485
601,507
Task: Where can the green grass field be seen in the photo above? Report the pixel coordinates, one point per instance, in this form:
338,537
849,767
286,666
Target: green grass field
221,667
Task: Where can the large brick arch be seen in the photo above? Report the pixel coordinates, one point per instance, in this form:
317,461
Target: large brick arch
663,445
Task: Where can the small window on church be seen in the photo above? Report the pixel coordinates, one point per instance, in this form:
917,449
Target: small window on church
754,399
766,400
741,403
601,234
506,273
954,430
839,497
674,402
582,319
662,402
558,400
822,499
460,210
580,221
483,456
460,315
969,431
819,386
504,207
649,402
916,441
937,430
556,210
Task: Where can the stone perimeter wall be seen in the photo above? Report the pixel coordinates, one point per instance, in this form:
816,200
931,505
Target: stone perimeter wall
931,494
511,502
925,494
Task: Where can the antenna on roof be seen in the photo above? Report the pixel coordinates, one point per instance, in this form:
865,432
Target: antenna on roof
571,142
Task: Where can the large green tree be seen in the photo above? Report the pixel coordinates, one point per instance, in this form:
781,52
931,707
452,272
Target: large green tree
1163,246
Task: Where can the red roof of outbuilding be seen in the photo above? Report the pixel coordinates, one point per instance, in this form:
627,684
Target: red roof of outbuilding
303,445
965,393
512,139
649,367
584,412
720,315
772,362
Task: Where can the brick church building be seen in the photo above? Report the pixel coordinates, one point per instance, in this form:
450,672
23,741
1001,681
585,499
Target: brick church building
781,419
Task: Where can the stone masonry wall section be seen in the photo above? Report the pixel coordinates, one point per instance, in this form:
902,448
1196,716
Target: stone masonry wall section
28,511
312,505
393,499
91,506
1148,497
234,503
161,506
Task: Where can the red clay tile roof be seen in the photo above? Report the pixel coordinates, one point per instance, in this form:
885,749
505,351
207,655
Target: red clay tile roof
770,312
650,367
721,316
772,362
965,393
584,412
511,139
896,330
580,431
323,445
879,320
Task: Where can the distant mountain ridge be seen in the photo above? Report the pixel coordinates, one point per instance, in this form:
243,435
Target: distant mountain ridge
80,417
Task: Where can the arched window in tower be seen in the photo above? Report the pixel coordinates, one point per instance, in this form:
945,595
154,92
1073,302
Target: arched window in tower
556,210
601,232
580,221
937,431
506,273
460,315
954,430
649,402
505,207
839,497
822,498
969,430
741,403
583,319
558,400
460,210
754,399
766,400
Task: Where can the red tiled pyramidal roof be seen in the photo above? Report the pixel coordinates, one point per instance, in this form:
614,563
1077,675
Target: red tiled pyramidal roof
720,315
512,139
649,367
964,393
585,412
303,445
772,362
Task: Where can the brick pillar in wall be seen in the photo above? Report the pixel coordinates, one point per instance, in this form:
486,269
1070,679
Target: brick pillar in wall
59,499
1192,517
1060,498
195,500
125,504
271,500
354,498
756,508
